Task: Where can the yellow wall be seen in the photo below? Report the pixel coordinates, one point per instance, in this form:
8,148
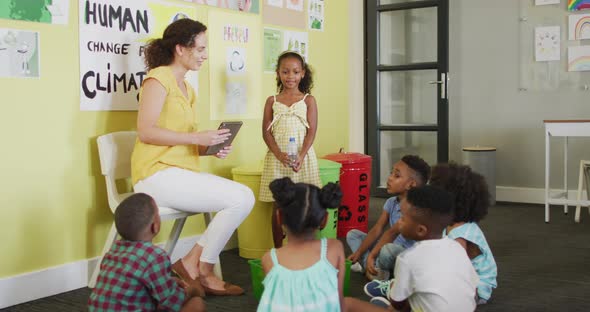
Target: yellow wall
53,203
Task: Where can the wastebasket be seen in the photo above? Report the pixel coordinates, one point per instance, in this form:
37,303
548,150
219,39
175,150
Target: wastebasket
483,161
255,233
355,181
329,172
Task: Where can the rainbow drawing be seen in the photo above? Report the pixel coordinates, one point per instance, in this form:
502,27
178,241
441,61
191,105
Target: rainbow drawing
578,58
576,5
579,26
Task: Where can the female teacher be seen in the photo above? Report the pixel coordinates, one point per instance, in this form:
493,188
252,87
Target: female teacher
165,160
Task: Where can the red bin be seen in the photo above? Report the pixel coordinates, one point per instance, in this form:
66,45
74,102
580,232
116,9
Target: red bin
355,181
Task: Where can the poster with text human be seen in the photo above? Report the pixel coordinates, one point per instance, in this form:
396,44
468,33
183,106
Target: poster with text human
235,48
546,2
578,26
40,11
287,13
113,34
547,43
297,41
248,6
578,58
273,46
577,5
315,14
19,53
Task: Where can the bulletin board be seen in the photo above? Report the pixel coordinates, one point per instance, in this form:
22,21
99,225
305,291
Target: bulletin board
546,47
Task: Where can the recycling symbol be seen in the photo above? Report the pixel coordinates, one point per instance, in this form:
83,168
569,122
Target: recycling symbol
344,213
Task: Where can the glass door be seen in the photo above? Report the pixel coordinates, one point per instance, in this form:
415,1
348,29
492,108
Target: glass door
406,77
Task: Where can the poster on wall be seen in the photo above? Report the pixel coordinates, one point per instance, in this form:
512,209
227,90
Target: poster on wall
547,43
579,26
40,11
19,53
273,46
577,5
578,58
249,6
287,13
234,77
315,10
296,41
113,34
546,2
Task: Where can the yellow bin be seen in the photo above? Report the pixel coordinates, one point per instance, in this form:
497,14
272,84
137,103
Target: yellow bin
255,233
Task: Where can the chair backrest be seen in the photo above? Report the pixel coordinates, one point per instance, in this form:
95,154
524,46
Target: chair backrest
114,151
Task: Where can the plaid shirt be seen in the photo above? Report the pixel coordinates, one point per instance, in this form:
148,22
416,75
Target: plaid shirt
136,276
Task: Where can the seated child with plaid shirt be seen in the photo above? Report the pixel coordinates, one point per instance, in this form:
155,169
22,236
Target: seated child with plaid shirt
135,275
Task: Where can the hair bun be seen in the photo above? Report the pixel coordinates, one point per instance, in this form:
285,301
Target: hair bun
283,190
330,195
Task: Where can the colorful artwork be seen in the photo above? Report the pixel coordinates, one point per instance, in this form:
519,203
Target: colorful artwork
273,46
316,14
19,53
579,26
40,11
296,5
576,5
250,6
578,58
547,40
296,41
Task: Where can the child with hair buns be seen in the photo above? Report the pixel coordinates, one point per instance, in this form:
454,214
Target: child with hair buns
306,274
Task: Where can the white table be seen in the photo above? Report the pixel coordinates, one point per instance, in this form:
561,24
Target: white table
562,128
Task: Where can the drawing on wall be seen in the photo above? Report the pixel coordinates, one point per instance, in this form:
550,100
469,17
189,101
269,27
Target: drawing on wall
579,26
19,53
250,6
275,3
236,61
41,11
296,41
236,101
235,33
316,14
547,43
545,2
578,58
295,5
576,5
273,46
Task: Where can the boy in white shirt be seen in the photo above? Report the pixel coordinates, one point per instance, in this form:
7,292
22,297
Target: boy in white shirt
435,274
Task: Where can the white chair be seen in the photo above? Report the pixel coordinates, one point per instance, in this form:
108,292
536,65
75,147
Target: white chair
114,151
584,179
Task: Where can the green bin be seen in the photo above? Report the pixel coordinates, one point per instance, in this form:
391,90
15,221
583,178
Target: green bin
257,275
329,172
255,233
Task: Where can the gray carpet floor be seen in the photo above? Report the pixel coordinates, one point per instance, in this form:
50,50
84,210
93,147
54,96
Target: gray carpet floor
542,267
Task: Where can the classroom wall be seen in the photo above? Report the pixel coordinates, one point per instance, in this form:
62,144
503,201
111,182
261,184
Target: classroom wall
486,107
53,203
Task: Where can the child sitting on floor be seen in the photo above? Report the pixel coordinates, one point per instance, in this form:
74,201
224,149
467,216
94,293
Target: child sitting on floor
306,274
472,199
377,250
135,275
435,274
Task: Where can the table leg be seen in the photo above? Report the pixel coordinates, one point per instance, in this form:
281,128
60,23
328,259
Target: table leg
547,168
565,173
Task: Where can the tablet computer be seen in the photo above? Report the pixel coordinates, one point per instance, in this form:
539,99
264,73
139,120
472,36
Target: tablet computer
234,127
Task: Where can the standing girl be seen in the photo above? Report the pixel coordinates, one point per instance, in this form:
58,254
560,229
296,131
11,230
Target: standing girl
307,274
292,113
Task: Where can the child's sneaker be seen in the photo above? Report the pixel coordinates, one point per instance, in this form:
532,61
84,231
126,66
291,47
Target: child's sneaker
356,267
381,302
377,288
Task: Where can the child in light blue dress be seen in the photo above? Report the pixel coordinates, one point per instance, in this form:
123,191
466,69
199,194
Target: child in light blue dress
306,274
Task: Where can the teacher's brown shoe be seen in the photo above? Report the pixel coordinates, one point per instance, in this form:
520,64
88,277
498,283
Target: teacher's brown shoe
195,284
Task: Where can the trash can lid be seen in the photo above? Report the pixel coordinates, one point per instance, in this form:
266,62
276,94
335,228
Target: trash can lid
348,158
254,168
479,149
328,164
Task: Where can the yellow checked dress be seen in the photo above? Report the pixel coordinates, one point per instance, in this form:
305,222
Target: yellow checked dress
288,121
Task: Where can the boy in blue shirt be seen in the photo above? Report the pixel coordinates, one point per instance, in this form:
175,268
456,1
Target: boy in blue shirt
376,251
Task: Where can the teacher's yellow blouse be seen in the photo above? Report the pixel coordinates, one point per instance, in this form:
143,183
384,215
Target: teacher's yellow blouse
178,114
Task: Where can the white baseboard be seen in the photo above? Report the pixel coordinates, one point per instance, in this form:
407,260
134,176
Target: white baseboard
70,276
528,195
